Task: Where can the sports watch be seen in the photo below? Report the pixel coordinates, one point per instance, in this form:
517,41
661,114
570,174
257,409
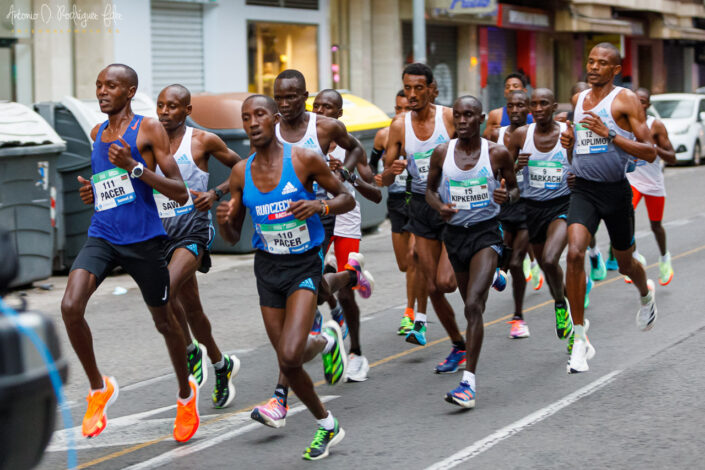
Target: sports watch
218,194
611,135
137,171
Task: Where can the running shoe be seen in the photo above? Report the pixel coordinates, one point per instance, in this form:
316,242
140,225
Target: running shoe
526,267
611,263
187,417
536,276
405,325
96,417
564,322
642,260
571,340
330,265
463,395
665,270
358,367
339,317
582,352
317,323
195,363
519,329
500,280
588,288
451,364
365,281
335,362
322,441
598,270
417,335
646,316
224,391
273,414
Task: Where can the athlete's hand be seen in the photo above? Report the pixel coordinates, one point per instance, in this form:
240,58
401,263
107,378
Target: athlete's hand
523,160
203,201
571,180
378,180
86,191
303,209
568,136
334,164
222,212
593,122
447,211
501,195
121,157
398,166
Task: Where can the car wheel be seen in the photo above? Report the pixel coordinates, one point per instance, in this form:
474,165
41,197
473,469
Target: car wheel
696,154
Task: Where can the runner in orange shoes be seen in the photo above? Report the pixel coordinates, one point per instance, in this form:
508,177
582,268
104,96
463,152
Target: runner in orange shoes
96,417
187,417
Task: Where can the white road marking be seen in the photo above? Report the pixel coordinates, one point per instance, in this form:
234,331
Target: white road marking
496,437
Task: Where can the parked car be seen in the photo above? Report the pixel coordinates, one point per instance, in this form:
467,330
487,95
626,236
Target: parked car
683,114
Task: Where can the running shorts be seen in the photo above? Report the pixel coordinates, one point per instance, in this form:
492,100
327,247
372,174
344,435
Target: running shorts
592,201
462,243
398,211
144,261
279,276
424,221
654,204
540,214
328,222
343,247
513,217
196,245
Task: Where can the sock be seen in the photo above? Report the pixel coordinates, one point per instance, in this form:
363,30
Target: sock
337,310
353,277
420,317
184,401
560,304
191,347
665,258
460,345
328,423
647,298
221,363
330,343
593,252
469,378
409,312
356,351
282,391
579,332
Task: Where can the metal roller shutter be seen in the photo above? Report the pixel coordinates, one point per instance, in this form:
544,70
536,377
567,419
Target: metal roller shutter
177,46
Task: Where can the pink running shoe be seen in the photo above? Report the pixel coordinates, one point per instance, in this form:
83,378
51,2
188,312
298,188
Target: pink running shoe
273,414
519,329
365,281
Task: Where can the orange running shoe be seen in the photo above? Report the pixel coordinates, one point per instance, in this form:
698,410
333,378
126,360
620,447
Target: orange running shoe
187,418
96,417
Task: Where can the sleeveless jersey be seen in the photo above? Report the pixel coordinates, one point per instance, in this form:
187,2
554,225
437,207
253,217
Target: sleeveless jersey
506,121
418,153
521,175
277,231
547,171
595,158
647,178
347,225
470,190
184,220
125,211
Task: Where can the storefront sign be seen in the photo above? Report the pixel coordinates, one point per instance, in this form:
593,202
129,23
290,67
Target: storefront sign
523,18
473,7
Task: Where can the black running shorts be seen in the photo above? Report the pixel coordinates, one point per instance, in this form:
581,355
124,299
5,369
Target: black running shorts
398,211
513,217
592,201
328,222
540,214
194,245
144,261
279,276
462,243
424,221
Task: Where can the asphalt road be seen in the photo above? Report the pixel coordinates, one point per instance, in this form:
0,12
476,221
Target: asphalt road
638,407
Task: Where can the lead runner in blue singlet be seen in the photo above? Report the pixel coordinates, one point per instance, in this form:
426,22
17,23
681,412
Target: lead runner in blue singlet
126,231
276,184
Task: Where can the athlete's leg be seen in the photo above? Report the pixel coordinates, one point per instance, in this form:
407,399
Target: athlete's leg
520,245
631,267
549,254
578,240
190,299
167,324
400,244
445,277
420,286
654,207
182,266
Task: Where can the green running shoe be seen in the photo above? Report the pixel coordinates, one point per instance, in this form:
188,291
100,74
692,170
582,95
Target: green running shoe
224,390
598,269
322,441
571,340
564,322
588,288
526,267
335,361
405,325
195,363
665,270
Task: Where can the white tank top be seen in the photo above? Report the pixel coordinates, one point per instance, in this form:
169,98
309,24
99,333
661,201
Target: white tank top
347,225
647,177
547,170
523,172
418,153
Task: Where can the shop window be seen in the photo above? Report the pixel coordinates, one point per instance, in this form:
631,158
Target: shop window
302,4
273,47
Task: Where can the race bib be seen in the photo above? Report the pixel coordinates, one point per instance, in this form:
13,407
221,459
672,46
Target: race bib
423,163
286,237
112,188
169,208
545,174
587,141
400,179
469,194
520,176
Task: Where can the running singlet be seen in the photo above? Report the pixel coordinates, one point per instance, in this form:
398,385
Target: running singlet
521,174
647,178
184,220
125,211
506,121
595,158
276,230
470,190
547,171
418,153
347,225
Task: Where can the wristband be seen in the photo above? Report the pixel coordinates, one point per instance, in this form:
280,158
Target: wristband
325,209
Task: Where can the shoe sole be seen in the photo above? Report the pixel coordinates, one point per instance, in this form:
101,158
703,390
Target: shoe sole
204,366
198,415
590,354
519,336
670,278
365,293
111,400
362,376
341,346
539,285
336,440
266,420
463,404
231,386
414,340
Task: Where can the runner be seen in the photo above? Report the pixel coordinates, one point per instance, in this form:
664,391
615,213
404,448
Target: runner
276,184
500,117
126,231
347,233
402,240
190,235
647,182
463,174
602,192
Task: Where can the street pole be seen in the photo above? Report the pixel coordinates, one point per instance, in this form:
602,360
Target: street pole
420,31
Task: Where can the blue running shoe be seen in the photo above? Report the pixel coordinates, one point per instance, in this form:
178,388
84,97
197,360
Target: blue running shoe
463,396
337,314
317,322
588,288
598,270
454,361
611,263
418,334
500,280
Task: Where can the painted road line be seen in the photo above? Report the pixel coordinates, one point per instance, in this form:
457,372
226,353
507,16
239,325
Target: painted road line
498,436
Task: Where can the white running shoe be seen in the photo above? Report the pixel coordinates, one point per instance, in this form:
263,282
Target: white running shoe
582,352
358,367
646,316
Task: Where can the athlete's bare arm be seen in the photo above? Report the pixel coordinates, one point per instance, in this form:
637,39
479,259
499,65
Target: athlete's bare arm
448,120
380,141
435,171
339,134
367,190
628,104
663,143
231,216
211,144
516,143
503,165
494,120
395,143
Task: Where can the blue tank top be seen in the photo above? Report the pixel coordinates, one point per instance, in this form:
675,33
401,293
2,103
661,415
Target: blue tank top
276,230
125,211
